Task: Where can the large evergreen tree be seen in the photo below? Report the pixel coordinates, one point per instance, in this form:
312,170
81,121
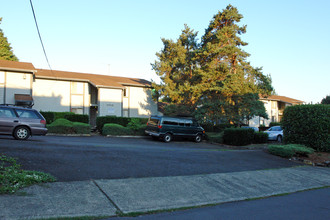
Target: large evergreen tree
213,77
6,52
176,66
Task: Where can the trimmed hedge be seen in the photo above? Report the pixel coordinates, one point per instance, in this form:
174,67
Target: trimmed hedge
102,120
77,118
61,126
116,129
49,116
215,137
275,124
216,128
238,136
290,150
260,137
81,128
308,125
52,116
64,126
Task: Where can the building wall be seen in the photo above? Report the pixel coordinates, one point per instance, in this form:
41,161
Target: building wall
51,95
110,102
2,87
12,83
141,103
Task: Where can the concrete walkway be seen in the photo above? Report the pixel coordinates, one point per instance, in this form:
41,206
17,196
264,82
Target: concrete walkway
111,197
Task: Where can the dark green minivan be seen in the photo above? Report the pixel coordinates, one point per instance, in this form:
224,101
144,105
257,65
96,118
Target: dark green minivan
165,128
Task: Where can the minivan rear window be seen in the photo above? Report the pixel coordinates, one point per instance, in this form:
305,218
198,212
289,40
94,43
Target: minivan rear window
153,121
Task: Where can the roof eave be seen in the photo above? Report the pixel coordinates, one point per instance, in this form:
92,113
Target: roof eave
18,70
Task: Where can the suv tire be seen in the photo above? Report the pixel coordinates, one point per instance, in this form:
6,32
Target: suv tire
198,138
21,133
167,138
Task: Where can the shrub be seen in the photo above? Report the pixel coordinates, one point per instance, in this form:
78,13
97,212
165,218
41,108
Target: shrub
64,126
308,125
275,124
52,116
61,126
134,124
49,116
260,137
100,121
238,136
115,129
62,114
77,118
215,137
81,128
290,150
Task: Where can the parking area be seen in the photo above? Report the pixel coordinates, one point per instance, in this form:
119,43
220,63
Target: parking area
98,157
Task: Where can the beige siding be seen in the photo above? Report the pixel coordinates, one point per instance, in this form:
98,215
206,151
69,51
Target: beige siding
110,102
2,87
17,83
51,95
141,103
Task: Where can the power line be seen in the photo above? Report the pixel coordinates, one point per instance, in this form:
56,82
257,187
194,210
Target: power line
35,20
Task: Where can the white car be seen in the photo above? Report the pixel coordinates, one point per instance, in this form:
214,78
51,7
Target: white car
275,133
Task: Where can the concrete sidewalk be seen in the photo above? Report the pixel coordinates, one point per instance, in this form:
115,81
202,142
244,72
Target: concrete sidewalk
111,197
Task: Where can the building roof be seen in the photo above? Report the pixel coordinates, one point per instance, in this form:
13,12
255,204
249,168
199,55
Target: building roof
95,79
16,66
283,99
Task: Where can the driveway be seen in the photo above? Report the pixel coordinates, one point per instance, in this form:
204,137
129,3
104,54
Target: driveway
97,157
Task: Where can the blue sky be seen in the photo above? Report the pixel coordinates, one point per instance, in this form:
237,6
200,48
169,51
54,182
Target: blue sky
289,39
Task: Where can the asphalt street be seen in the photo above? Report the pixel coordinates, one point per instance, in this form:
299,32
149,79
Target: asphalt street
97,157
312,204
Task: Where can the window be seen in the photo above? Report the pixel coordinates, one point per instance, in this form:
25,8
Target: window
170,123
6,113
77,111
77,88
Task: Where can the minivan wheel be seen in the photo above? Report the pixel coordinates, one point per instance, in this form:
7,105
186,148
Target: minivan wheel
167,138
198,138
21,133
279,138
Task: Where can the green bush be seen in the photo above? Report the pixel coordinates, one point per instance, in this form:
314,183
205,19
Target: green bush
100,121
62,114
81,128
308,125
52,116
77,118
275,124
64,126
61,126
238,136
141,130
134,124
216,128
290,150
215,137
116,129
49,116
260,137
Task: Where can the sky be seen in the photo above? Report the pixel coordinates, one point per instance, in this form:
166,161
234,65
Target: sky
290,40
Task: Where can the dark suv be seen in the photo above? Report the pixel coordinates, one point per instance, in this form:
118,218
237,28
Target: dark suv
168,127
21,122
